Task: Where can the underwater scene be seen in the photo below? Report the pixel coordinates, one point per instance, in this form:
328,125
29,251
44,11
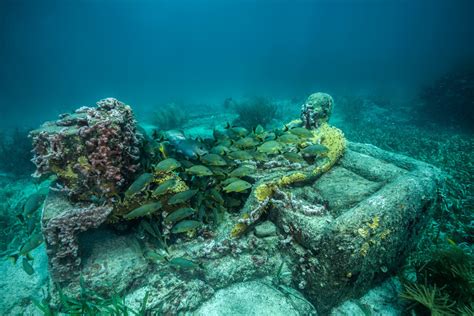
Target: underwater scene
237,157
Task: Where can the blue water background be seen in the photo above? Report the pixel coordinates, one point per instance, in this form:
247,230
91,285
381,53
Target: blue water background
58,55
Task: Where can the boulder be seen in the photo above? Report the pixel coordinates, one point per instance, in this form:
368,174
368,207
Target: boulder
255,298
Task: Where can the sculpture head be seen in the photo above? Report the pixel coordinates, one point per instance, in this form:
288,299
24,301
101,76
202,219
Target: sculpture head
316,110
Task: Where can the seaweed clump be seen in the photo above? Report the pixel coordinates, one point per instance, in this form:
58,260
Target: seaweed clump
443,283
449,100
255,111
89,302
170,116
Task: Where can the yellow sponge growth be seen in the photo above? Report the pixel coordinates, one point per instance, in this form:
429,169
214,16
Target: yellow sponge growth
67,173
292,178
239,228
159,177
333,139
328,136
263,191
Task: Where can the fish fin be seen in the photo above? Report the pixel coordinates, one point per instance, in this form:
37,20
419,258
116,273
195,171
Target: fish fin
29,256
227,126
285,128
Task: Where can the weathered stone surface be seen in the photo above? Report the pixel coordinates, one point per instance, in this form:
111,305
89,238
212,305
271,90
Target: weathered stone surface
254,298
383,300
61,224
374,205
110,260
265,229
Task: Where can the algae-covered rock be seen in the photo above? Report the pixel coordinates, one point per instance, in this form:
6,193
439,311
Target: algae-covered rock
270,181
381,300
254,298
372,209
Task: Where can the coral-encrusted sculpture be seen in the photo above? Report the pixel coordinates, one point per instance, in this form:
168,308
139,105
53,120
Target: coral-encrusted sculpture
315,114
94,151
316,110
62,223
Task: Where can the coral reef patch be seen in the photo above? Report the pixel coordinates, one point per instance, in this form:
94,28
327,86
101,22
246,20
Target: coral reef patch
298,209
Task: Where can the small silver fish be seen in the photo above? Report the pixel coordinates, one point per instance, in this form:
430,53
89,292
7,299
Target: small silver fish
32,243
179,214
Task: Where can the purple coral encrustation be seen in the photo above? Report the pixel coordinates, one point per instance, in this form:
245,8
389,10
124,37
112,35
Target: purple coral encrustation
94,151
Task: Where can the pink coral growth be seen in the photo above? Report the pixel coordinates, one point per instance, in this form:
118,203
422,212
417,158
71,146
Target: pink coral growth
93,151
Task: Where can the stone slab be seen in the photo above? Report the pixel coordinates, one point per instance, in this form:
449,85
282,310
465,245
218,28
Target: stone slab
377,206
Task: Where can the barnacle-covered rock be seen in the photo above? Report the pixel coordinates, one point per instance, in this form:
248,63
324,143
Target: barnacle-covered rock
94,151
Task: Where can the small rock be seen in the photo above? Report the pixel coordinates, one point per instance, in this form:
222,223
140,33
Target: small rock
265,229
254,298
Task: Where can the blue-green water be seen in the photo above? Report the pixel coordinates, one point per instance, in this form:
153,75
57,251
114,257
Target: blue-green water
228,78
57,55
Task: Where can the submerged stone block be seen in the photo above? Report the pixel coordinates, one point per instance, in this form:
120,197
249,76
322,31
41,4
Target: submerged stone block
372,208
335,238
62,222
